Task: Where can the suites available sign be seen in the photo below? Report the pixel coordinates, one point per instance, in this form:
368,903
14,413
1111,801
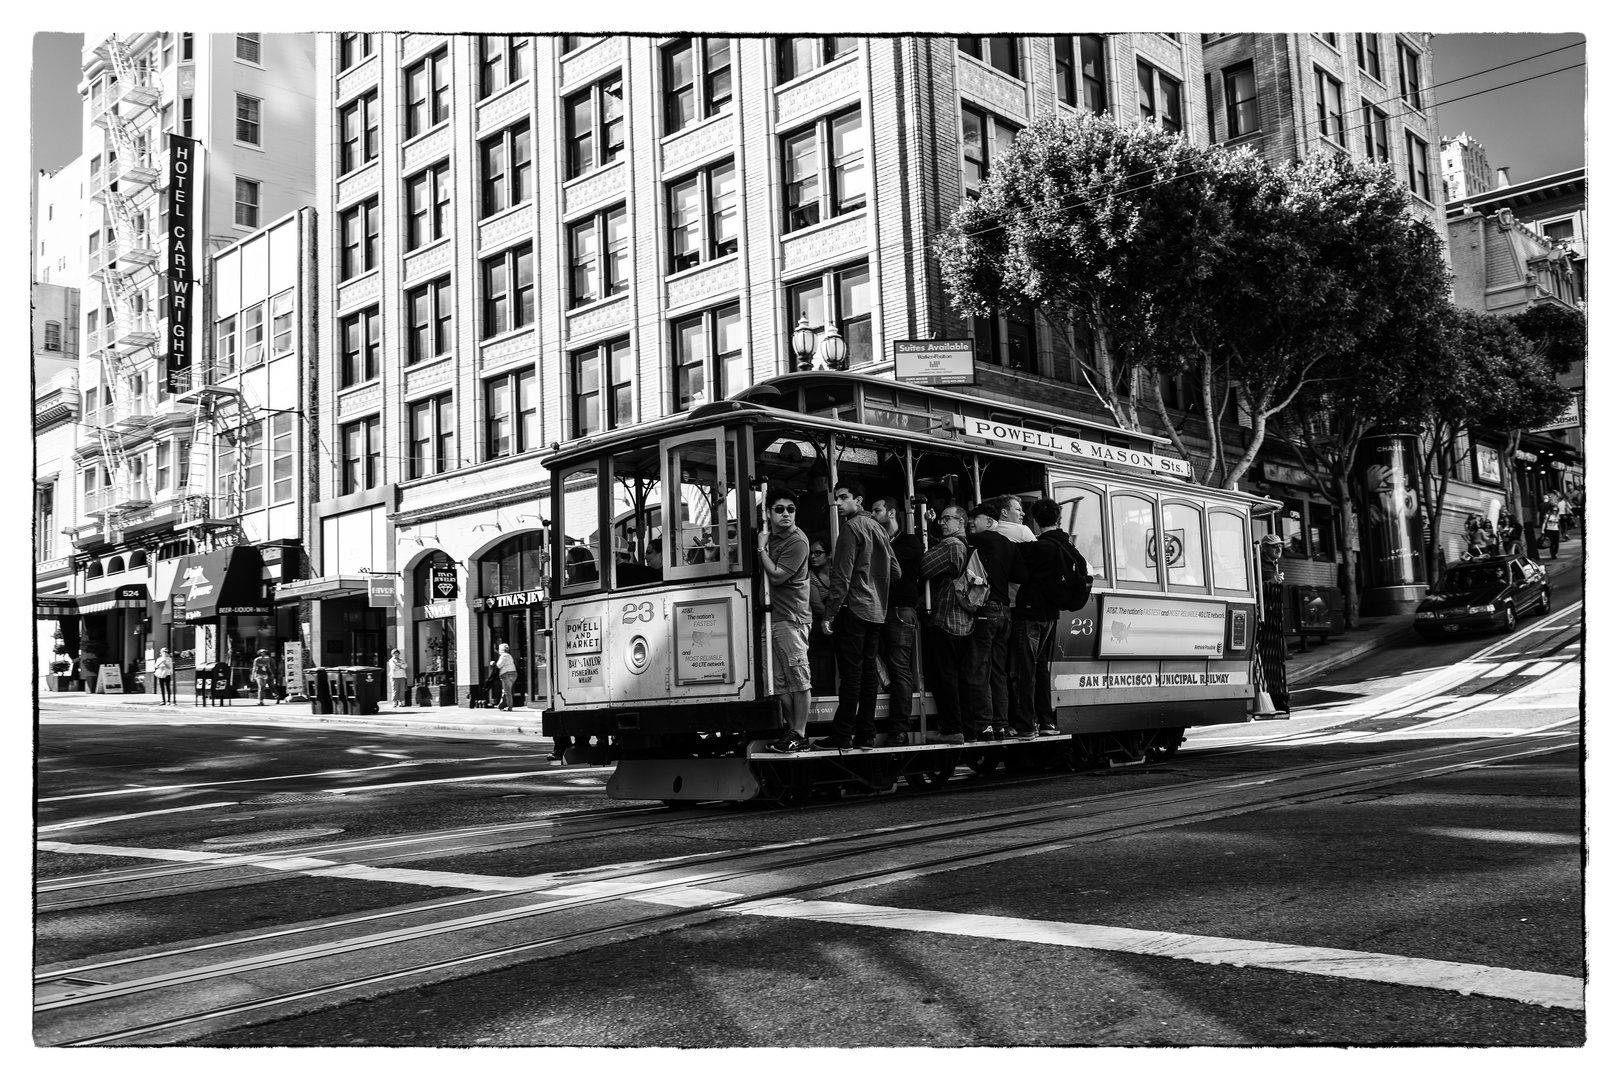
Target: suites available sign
1067,446
182,177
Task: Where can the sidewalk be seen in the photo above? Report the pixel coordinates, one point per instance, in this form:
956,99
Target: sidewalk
1303,668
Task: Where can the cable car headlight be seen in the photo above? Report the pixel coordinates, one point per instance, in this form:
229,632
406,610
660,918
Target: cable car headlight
638,655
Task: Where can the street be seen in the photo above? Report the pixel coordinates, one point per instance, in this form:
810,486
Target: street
1398,863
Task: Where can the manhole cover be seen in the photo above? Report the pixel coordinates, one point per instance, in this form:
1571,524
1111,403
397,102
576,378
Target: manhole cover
273,836
296,797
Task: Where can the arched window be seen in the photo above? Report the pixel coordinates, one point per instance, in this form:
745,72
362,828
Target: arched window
137,559
115,565
1134,539
514,565
93,570
423,579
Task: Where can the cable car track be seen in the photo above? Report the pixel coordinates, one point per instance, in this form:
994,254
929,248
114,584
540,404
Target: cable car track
1154,809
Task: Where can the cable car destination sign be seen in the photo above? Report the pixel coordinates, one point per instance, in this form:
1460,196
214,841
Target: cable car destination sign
1067,446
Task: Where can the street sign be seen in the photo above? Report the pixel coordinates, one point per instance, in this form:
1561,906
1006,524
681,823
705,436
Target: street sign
446,586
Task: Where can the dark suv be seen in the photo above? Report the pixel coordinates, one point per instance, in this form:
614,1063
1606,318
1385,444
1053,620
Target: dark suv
1484,594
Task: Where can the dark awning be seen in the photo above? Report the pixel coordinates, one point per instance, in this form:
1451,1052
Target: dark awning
228,581
124,596
55,607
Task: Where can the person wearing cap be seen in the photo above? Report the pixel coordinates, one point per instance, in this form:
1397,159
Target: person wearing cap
783,554
991,634
856,609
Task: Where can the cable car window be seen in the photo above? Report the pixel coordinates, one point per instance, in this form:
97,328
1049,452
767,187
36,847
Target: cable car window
1081,517
1182,545
580,531
636,501
700,506
1227,536
1134,539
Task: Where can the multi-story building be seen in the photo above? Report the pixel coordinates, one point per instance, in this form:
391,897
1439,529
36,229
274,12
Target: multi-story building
1466,167
193,143
56,408
529,239
1287,96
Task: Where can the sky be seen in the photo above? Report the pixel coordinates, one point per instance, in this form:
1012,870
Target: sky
1534,128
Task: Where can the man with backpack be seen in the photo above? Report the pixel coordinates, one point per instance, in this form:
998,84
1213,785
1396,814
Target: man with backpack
1058,581
991,637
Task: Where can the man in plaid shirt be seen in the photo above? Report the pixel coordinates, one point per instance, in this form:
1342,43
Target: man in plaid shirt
949,630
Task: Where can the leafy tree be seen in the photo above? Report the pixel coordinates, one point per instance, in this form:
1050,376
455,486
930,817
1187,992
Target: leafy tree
1524,394
1558,333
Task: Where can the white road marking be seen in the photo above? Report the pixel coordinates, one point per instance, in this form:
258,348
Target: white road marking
60,825
1544,667
572,769
260,779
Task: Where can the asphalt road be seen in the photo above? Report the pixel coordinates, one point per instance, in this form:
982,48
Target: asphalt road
1164,936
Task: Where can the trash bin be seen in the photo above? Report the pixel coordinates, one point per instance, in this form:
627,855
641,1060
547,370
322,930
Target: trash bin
363,686
317,688
342,690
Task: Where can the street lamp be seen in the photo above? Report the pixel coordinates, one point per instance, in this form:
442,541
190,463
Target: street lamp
803,343
834,349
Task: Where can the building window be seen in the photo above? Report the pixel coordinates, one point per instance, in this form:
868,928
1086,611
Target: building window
1082,68
1368,52
709,362
508,290
1241,101
45,521
362,455
253,336
703,216
796,56
361,346
512,414
823,169
502,60
696,80
1376,131
1329,39
248,110
248,47
1329,107
426,93
431,313
575,42
850,290
281,323
1553,231
432,436
427,206
1159,98
359,123
601,394
185,116
595,125
53,336
999,52
360,230
281,458
168,51
352,48
224,353
598,256
246,203
1416,155
251,450
508,163
984,137
187,46
1005,339
1409,76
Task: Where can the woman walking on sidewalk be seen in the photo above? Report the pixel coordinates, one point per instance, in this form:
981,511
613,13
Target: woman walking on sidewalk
263,673
163,672
398,679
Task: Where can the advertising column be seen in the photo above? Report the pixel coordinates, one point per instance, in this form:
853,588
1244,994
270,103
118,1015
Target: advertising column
1395,571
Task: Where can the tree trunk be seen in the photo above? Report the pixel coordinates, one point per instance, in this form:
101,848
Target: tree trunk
1175,436
1351,584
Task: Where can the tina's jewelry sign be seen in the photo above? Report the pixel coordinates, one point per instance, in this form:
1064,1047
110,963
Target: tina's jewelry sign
702,642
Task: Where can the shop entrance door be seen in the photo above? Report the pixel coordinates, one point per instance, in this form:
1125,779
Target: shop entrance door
511,627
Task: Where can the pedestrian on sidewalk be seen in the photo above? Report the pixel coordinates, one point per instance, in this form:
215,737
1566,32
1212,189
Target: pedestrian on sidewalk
1550,524
506,664
398,680
263,674
163,672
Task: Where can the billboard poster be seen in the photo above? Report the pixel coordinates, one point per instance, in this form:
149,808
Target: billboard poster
1141,626
934,363
1392,526
183,247
702,642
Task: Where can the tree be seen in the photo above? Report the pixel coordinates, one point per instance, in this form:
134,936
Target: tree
1558,333
1524,394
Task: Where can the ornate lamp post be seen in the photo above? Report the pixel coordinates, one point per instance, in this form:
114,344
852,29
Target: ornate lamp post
803,344
834,349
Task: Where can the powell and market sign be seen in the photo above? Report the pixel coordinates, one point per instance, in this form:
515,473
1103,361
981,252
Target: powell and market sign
1068,446
183,162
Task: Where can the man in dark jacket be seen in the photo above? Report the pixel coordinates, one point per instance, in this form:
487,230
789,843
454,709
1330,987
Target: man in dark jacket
991,636
1033,622
899,631
856,609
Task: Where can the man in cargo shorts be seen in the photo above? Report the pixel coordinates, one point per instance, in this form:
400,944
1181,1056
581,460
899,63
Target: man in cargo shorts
783,552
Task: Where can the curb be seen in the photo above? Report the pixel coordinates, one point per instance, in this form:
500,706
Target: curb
372,723
1296,676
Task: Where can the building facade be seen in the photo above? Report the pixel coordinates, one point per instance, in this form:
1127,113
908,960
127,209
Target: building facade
529,239
193,144
1466,167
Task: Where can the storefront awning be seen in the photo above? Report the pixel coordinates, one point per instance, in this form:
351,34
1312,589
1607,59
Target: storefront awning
321,588
124,596
228,581
55,607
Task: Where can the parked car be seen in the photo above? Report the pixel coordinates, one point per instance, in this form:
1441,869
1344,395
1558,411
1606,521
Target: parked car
1484,594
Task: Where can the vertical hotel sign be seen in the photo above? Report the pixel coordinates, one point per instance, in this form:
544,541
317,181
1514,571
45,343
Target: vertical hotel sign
183,170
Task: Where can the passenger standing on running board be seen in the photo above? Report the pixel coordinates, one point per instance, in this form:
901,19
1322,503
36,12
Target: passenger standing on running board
899,631
1033,622
991,638
783,552
856,608
949,629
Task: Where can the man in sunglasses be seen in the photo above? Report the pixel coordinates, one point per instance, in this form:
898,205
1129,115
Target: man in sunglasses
863,564
783,552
